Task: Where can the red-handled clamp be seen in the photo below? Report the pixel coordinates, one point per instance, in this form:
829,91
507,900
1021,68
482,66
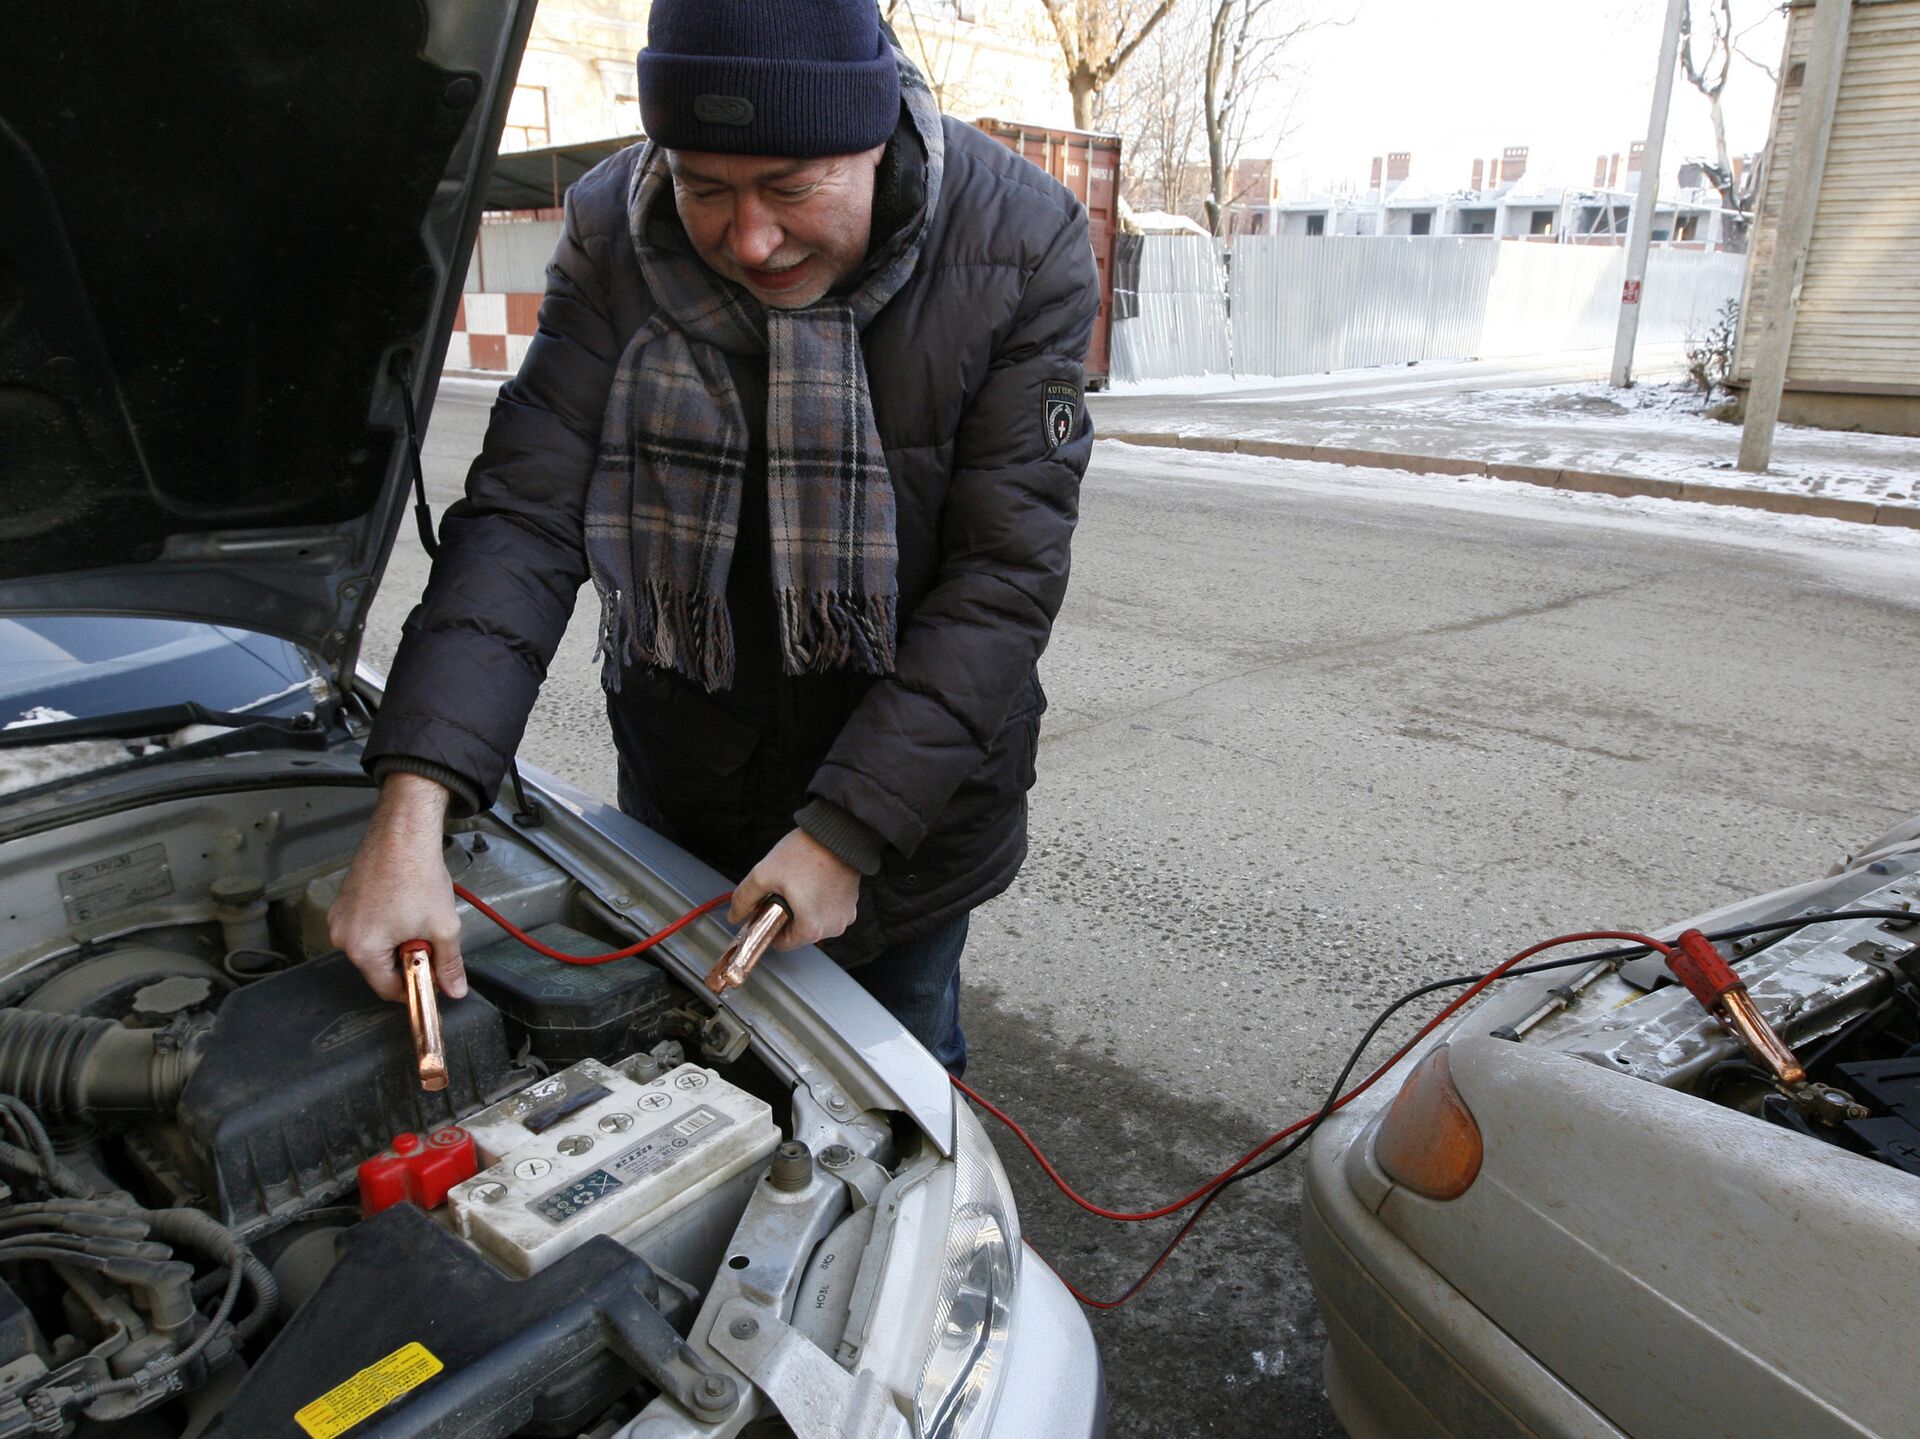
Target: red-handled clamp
1711,980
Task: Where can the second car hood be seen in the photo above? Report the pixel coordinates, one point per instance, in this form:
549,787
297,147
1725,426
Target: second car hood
226,226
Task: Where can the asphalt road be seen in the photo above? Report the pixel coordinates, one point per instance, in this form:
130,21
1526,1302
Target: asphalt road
1318,735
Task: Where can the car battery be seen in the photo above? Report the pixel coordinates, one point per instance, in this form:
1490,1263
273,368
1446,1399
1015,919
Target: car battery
573,1011
592,1151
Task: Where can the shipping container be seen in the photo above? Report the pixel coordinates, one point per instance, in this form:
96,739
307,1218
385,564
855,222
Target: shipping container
1089,165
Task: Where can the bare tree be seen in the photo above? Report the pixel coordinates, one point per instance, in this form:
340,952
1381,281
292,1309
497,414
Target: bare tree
1708,74
1156,110
930,45
1097,38
1741,50
1245,39
959,9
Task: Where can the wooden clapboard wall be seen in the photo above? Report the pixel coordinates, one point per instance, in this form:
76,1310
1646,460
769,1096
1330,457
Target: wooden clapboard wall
1858,327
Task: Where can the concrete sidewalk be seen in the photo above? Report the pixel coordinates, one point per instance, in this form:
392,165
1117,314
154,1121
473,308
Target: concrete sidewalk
1524,422
1596,482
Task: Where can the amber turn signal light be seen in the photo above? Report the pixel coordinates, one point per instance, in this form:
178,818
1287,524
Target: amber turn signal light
1428,1140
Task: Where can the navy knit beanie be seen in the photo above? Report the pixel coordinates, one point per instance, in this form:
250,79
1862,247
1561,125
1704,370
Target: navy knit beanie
799,78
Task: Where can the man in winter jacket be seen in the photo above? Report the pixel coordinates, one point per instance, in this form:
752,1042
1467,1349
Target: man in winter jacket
805,406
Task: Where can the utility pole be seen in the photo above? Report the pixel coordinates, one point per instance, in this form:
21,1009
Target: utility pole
1640,226
1819,94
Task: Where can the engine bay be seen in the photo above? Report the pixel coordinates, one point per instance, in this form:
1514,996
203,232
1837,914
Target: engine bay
231,1209
1845,995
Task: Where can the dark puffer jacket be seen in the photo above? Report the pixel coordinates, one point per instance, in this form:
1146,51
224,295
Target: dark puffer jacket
929,766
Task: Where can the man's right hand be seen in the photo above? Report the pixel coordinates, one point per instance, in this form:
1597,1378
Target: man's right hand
398,889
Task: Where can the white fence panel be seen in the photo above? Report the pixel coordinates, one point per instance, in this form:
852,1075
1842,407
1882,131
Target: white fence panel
1551,297
1303,304
1169,309
1686,289
512,256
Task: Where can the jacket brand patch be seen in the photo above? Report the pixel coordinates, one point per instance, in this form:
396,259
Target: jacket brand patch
723,109
1060,411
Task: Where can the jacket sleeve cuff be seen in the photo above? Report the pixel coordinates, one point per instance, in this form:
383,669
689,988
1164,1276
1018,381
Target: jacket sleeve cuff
465,794
856,843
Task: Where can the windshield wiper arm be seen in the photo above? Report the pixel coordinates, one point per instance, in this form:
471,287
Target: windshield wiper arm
147,723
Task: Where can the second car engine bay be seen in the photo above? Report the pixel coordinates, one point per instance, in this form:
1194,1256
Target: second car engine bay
1845,995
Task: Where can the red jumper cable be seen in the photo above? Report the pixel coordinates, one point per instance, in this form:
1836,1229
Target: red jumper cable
551,953
1207,1192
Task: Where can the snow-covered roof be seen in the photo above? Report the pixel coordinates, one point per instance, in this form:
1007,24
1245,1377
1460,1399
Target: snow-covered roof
1161,222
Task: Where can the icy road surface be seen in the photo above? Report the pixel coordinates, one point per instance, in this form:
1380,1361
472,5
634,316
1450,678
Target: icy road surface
1319,734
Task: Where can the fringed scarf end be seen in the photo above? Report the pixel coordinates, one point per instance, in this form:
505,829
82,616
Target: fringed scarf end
825,630
686,631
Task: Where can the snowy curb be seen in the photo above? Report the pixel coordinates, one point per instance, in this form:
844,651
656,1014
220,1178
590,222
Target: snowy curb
1594,482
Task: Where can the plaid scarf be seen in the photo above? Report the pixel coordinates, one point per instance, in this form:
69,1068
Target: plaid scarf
663,506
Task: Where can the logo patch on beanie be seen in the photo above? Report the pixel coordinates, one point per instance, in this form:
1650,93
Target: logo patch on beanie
1061,412
723,109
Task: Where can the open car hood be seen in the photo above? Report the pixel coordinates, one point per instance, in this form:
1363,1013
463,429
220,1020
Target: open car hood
224,228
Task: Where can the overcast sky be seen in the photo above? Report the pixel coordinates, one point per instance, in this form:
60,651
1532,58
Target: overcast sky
1571,79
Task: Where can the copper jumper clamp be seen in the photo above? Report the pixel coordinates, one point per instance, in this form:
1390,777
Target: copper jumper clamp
755,938
429,1044
1711,980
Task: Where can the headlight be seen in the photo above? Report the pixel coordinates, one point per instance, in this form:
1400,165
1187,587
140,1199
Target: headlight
960,1375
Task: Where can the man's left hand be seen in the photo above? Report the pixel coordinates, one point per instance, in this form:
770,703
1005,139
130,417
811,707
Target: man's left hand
822,890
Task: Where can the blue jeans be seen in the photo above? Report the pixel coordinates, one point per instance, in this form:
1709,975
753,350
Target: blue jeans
919,983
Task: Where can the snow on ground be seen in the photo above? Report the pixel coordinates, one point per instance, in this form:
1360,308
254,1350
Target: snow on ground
1660,432
1879,558
1655,430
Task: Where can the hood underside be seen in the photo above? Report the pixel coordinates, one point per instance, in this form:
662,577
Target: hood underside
226,226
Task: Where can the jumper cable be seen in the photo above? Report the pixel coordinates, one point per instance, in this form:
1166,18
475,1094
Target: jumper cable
1685,957
423,1005
1207,1192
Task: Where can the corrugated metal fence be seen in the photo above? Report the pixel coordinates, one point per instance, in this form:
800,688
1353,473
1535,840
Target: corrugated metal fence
512,256
1169,307
1295,305
1299,305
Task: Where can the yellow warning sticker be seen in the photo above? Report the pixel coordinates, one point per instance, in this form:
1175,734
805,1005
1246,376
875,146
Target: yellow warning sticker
372,1389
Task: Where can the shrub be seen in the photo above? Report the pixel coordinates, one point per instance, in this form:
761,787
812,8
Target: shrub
1710,355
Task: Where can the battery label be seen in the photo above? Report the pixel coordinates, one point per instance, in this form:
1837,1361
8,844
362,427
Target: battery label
658,1151
369,1391
586,1191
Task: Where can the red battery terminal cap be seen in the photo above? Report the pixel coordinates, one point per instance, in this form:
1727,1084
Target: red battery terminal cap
417,1171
